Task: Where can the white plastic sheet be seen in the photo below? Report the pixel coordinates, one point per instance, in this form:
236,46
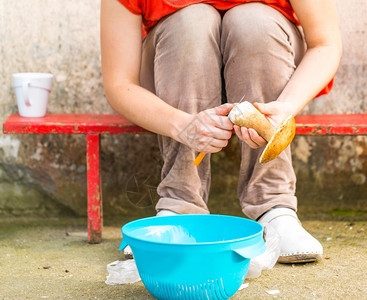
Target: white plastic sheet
268,259
122,272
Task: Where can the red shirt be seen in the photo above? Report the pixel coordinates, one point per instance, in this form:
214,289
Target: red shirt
154,10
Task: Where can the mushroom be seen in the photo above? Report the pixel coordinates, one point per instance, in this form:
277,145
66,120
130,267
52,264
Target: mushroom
246,115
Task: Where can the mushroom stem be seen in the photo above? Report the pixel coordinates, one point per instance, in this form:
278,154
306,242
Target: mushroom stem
246,115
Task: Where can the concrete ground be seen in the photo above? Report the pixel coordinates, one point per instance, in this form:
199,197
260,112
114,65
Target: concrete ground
50,259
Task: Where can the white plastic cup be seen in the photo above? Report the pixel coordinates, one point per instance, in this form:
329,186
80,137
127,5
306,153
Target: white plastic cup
32,91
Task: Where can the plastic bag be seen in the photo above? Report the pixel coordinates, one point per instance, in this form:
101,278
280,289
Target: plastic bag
122,272
268,259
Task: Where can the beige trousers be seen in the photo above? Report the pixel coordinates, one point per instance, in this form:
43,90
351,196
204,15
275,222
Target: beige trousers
193,57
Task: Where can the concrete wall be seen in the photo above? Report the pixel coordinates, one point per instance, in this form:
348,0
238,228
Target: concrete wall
47,175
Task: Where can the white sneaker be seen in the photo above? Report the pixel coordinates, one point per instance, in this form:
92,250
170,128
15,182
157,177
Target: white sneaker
296,244
164,212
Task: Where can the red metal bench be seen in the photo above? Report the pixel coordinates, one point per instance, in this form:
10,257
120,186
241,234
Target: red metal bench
95,125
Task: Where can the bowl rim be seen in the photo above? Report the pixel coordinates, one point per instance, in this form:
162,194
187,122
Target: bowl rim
231,241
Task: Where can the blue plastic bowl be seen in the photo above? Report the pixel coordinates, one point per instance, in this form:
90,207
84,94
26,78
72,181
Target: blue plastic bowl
193,256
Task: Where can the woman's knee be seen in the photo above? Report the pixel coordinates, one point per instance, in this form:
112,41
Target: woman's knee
255,26
193,30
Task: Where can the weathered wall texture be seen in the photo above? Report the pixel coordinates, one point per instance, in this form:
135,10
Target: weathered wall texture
47,175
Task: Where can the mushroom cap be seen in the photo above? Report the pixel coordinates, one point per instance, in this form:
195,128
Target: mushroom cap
281,139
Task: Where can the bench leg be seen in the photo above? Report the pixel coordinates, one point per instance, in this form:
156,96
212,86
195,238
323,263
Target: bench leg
95,212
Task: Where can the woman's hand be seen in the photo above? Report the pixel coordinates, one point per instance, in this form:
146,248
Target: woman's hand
275,112
207,131
249,136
